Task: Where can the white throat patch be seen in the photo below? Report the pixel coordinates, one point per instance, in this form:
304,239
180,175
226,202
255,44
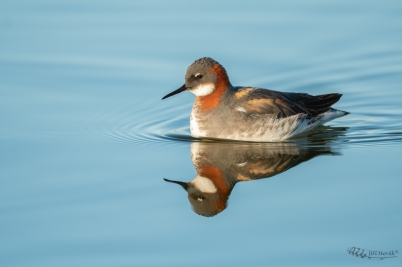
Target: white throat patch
203,89
204,184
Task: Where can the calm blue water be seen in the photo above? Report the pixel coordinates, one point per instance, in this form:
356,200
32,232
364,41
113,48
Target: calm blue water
85,140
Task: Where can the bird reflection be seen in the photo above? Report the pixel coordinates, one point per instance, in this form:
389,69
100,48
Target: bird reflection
220,166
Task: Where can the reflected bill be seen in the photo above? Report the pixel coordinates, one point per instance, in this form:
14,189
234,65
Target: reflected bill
220,166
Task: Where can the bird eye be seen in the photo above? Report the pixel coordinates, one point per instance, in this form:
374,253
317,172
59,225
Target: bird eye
200,198
198,76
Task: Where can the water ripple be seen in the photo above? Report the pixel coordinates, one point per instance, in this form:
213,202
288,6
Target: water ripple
142,128
360,129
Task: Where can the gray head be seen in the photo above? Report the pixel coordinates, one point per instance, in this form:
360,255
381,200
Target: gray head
204,77
207,201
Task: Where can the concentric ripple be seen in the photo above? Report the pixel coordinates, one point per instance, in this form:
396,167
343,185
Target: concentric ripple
152,126
172,127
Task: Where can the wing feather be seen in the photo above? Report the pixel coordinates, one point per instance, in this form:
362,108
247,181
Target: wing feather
262,101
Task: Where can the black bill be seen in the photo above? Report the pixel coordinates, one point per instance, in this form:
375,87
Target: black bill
184,185
181,89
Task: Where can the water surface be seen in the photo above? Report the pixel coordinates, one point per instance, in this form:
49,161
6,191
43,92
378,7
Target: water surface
85,140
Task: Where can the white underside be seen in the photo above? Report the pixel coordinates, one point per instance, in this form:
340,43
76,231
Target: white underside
195,127
273,130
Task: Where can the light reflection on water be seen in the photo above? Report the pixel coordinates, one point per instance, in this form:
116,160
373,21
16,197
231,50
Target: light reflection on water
85,139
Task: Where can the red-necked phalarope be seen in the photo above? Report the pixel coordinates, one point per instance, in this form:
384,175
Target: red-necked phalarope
254,114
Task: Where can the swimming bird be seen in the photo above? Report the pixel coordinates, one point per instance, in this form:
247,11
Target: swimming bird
223,111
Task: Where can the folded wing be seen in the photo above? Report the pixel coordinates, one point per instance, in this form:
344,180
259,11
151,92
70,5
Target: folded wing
262,101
